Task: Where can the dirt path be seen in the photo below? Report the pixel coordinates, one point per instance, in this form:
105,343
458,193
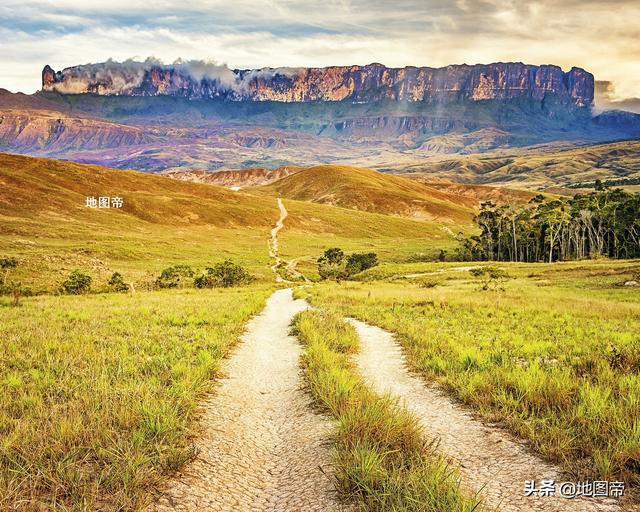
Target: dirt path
491,461
294,272
290,267
273,241
262,447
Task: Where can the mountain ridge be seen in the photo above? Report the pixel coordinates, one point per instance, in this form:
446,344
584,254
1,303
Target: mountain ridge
372,82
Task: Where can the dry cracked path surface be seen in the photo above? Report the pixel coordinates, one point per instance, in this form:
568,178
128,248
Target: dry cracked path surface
262,447
490,460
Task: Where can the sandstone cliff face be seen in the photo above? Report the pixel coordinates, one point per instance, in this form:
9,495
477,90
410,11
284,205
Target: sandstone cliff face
374,82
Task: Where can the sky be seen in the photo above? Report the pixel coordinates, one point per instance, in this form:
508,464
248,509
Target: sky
600,36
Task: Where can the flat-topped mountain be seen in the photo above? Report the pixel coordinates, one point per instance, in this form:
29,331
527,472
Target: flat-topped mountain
373,82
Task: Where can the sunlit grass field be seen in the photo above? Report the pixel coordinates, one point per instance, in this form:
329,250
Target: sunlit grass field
555,357
100,392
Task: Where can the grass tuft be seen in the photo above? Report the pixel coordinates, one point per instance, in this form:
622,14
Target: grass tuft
381,458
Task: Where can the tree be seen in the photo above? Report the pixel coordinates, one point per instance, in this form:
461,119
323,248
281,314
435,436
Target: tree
360,261
17,291
602,223
177,275
331,265
77,283
223,275
117,284
7,264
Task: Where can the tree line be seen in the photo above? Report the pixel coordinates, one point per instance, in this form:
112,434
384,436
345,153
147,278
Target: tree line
602,223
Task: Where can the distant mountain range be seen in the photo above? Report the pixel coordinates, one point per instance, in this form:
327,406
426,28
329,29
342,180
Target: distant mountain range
154,117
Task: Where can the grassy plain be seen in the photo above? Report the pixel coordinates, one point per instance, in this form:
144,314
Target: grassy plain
380,458
100,392
555,356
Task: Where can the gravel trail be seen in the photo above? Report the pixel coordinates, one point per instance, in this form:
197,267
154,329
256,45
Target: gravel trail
262,447
491,461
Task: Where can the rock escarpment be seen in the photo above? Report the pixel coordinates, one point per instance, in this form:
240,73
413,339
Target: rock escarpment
358,84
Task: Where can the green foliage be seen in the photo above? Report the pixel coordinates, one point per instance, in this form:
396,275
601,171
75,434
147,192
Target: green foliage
331,265
7,264
603,223
223,275
175,276
334,265
16,290
381,459
490,276
117,284
360,261
77,283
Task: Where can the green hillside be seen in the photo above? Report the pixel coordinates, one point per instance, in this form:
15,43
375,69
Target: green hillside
47,226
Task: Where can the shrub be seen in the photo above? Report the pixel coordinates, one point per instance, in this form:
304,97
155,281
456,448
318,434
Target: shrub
18,291
360,261
117,284
7,264
77,283
223,275
175,276
331,265
490,277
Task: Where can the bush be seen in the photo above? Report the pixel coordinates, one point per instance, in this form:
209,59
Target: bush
175,276
7,264
331,265
490,277
77,283
223,275
360,261
17,291
117,284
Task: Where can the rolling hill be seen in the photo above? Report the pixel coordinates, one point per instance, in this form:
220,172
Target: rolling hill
536,168
44,222
372,191
235,178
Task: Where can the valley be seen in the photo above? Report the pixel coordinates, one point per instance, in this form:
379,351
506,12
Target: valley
505,360
305,289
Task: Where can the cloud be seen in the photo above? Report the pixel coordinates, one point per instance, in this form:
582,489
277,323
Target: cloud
606,98
600,36
116,77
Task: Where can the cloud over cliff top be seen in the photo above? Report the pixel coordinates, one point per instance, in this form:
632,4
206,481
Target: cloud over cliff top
597,35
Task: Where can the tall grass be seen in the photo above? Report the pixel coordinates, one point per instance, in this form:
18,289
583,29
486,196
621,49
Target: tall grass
99,393
555,358
381,458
